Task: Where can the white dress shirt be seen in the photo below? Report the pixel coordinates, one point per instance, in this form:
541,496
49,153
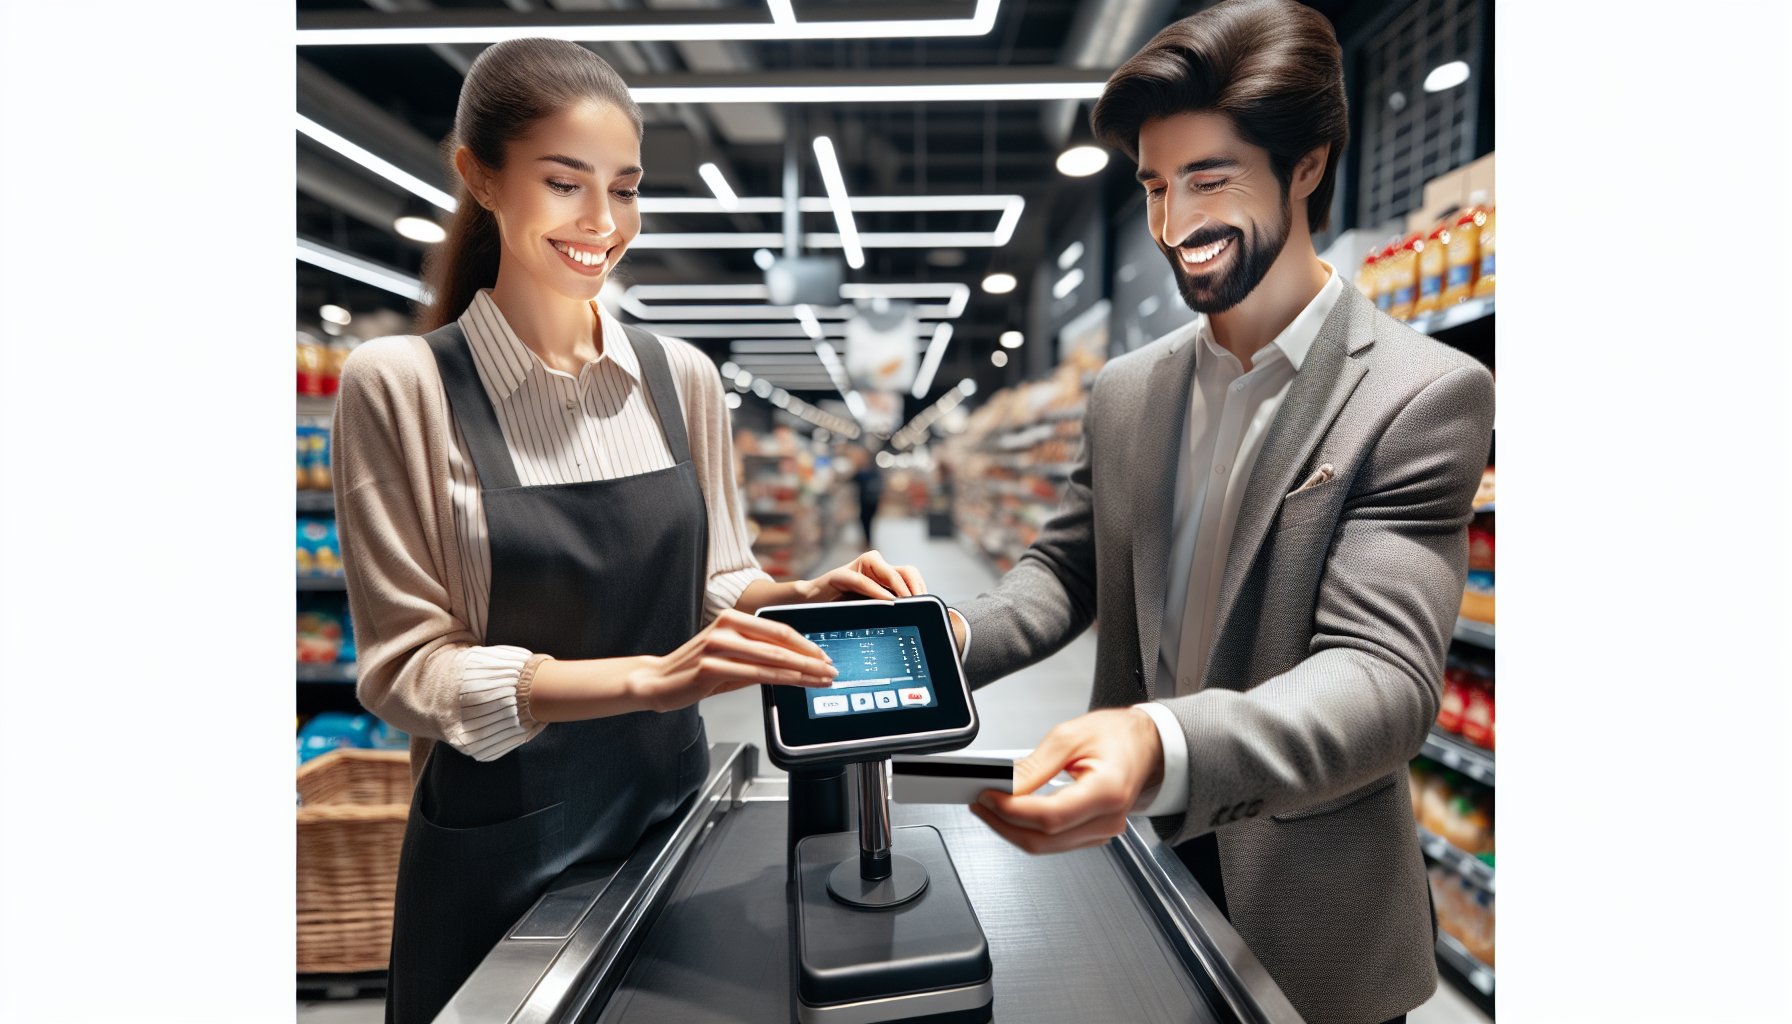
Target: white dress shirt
562,429
1229,414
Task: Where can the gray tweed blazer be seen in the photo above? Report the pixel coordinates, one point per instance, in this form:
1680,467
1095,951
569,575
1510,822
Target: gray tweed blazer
1327,661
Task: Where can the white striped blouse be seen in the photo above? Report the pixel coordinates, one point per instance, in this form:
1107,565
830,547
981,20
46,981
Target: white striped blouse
563,430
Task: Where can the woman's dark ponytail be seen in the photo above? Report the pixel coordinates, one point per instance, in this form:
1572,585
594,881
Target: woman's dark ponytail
510,87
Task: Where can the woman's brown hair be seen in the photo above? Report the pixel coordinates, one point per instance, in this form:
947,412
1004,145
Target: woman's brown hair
1272,67
510,87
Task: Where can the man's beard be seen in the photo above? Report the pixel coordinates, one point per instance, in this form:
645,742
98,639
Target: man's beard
1218,292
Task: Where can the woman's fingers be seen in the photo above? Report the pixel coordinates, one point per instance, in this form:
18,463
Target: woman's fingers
912,576
740,648
872,564
724,673
771,632
849,581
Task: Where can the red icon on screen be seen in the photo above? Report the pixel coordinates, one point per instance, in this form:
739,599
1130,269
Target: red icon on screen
914,696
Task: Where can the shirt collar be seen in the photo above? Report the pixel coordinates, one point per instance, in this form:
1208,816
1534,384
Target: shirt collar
1297,338
504,361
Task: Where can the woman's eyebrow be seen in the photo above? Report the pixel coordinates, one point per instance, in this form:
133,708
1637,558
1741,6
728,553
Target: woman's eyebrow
570,161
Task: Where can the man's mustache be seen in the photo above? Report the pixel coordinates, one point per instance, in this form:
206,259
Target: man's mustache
1208,235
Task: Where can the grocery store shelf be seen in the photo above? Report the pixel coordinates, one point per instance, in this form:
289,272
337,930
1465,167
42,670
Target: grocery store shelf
322,583
1455,316
339,672
1456,752
1467,865
1451,951
317,501
313,405
1471,632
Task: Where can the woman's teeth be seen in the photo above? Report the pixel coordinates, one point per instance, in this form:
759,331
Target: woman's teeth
585,256
1205,252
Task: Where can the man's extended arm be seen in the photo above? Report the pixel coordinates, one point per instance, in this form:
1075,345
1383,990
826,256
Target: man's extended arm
1359,705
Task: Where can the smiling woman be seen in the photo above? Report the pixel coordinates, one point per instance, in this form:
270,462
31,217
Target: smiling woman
545,551
542,92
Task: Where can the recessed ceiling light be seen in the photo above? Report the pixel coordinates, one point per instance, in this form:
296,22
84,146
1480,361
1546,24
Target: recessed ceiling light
420,229
999,284
967,387
1082,161
999,357
763,258
1446,76
838,199
335,314
731,400
712,176
1013,339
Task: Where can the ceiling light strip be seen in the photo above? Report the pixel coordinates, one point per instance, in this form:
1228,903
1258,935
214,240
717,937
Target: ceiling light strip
820,204
980,92
930,363
820,240
837,198
982,19
364,271
409,182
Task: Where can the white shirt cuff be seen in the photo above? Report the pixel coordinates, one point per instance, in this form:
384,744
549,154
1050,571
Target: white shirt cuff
490,725
958,616
1170,797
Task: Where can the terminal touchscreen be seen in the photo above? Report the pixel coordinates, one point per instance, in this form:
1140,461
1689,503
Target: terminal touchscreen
900,687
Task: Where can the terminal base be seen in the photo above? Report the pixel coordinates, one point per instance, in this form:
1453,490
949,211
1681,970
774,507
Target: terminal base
925,958
848,884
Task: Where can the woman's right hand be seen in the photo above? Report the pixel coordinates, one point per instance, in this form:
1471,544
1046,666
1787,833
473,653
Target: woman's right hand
735,650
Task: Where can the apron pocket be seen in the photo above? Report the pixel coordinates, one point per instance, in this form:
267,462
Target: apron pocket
523,833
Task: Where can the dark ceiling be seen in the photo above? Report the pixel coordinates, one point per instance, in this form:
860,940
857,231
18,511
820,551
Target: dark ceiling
885,149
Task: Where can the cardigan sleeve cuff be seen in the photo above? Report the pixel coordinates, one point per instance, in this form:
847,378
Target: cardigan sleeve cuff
494,692
1171,796
725,588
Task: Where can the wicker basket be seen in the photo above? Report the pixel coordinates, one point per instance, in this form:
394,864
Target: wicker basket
350,827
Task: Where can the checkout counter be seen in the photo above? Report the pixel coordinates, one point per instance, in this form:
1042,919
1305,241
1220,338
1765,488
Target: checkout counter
695,926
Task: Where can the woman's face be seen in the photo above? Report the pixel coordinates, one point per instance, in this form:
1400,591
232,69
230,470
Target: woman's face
565,200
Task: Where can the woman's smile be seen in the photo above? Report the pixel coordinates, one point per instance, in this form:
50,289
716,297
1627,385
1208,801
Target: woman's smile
587,258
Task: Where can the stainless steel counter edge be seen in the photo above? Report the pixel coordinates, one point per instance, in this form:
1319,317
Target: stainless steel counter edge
546,981
1205,939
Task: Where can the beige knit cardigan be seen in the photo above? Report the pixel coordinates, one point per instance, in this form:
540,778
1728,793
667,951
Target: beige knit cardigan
395,522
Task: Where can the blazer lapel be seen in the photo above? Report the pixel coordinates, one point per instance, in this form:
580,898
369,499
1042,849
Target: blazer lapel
1325,381
1154,474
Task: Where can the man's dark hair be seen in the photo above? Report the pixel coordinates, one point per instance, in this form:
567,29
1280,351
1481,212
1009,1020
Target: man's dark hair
1272,66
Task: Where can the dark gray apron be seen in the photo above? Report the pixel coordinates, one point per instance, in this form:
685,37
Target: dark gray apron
604,569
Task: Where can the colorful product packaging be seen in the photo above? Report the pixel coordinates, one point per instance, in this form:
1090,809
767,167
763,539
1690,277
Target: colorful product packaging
1431,271
1484,282
1462,258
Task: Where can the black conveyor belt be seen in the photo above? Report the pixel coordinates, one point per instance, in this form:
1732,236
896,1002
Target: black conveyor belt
1070,937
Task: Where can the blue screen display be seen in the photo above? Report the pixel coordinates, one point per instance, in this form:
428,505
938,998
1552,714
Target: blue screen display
880,670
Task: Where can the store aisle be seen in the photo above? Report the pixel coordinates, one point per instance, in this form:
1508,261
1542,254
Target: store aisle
1017,711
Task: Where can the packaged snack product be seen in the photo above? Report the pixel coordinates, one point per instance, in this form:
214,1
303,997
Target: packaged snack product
311,356
332,729
1484,280
1384,264
318,553
1480,542
1431,271
1477,596
304,441
319,638
1403,275
1455,699
317,459
1365,277
1462,258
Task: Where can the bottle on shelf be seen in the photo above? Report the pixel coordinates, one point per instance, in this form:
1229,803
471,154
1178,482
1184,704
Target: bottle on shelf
1484,281
1462,259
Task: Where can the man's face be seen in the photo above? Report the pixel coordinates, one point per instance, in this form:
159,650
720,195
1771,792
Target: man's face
1215,207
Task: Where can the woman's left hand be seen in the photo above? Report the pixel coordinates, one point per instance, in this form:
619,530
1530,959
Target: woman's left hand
868,576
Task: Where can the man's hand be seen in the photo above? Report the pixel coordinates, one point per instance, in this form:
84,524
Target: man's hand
1114,755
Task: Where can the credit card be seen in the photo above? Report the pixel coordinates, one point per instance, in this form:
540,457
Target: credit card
948,778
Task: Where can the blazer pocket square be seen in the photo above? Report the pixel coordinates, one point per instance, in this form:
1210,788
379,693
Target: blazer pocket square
1320,475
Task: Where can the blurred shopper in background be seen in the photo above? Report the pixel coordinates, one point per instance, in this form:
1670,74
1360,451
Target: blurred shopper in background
870,481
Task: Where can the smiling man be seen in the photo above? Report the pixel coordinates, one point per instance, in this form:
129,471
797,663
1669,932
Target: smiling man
1268,525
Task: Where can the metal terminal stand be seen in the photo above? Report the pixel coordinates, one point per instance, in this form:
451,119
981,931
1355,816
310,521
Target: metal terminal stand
877,877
